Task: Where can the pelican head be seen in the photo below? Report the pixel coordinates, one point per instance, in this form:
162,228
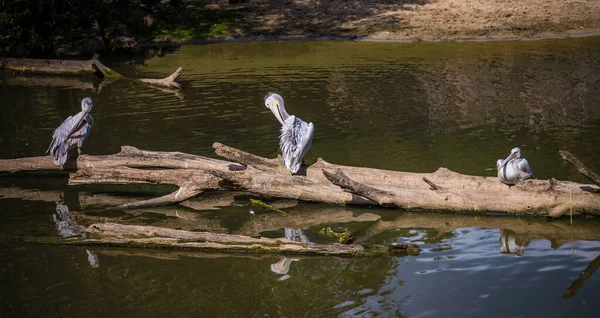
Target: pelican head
515,153
274,102
86,105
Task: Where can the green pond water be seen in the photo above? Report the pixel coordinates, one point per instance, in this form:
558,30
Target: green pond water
401,106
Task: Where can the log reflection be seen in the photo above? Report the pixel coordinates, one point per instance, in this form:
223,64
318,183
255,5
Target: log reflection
211,212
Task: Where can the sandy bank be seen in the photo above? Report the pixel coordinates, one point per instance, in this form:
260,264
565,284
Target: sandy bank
405,20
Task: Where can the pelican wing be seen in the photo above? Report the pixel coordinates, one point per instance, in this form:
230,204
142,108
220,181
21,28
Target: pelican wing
295,140
523,165
524,169
84,129
59,147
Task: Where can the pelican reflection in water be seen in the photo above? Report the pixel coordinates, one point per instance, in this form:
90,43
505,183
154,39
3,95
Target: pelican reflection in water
71,133
514,168
296,135
282,267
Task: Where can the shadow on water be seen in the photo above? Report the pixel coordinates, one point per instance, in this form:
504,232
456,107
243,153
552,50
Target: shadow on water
411,107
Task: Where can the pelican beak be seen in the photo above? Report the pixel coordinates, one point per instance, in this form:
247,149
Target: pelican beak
505,161
277,111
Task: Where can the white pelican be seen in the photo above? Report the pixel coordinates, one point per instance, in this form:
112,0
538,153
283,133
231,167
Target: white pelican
72,132
296,135
513,168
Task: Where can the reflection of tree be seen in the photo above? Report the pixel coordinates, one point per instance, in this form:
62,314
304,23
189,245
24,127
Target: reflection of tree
532,90
586,274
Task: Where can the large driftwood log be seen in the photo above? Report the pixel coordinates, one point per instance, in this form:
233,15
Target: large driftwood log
268,177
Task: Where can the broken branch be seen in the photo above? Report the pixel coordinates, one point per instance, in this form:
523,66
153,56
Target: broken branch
580,167
168,81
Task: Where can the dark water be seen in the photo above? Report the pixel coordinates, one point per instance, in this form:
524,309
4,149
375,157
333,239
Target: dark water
412,107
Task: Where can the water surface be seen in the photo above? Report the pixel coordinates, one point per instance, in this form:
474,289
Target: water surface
402,106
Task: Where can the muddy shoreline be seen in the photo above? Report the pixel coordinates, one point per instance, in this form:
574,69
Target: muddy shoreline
399,21
371,39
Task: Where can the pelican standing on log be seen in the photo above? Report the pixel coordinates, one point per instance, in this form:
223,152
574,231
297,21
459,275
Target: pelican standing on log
296,135
71,133
514,168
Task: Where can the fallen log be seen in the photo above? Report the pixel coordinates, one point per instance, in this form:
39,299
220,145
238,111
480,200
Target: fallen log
119,235
323,182
92,67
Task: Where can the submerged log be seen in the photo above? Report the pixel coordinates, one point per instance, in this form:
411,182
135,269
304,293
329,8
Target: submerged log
322,182
366,223
66,67
80,67
186,217
76,82
119,235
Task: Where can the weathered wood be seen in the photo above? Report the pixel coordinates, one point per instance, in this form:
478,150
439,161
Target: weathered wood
114,234
185,192
168,81
580,167
267,177
534,197
248,159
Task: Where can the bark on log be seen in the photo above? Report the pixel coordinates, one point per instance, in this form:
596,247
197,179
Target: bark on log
120,235
531,197
580,167
266,177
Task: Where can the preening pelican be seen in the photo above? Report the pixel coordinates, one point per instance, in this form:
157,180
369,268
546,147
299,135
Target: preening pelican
296,135
513,168
71,133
